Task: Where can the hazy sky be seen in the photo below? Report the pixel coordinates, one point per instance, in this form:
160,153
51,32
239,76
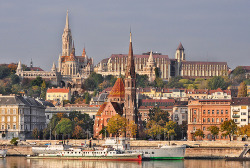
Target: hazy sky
210,30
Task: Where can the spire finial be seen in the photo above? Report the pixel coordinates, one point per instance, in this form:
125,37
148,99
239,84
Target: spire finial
67,20
130,36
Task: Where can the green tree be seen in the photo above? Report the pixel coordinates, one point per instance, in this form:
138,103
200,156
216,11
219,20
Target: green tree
132,128
141,80
217,82
238,71
159,116
158,82
14,79
153,129
214,131
35,133
43,90
242,91
199,133
170,128
14,141
65,126
4,71
157,72
37,82
87,97
228,128
89,84
117,125
174,82
244,131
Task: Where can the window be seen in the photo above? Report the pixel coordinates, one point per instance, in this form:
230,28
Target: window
8,118
14,126
226,119
3,111
8,127
208,120
243,119
204,128
243,113
204,111
217,120
212,119
226,111
208,111
212,111
218,112
14,111
2,126
3,118
204,120
194,119
14,118
194,111
194,128
221,111
8,111
222,120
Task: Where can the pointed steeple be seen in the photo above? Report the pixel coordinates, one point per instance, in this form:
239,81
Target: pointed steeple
19,66
180,47
84,52
53,69
150,58
31,63
130,63
67,20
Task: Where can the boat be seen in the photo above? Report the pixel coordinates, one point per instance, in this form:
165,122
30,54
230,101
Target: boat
3,153
50,149
163,153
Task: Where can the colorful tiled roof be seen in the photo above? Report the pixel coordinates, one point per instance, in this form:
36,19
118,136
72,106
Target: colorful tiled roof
99,112
118,89
58,90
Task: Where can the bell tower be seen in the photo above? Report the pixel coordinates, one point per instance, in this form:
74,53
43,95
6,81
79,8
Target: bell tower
66,38
130,87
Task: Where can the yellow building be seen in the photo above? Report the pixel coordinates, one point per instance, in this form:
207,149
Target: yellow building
58,94
19,116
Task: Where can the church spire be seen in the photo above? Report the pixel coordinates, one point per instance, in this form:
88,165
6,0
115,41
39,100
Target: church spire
130,63
67,20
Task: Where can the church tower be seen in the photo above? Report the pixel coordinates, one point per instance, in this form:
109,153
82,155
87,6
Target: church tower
66,38
180,57
130,87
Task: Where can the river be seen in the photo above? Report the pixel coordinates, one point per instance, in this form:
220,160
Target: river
22,162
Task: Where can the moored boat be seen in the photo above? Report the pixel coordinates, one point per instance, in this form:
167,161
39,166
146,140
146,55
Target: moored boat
50,149
163,153
105,154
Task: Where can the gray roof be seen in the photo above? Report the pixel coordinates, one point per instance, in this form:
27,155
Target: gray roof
19,100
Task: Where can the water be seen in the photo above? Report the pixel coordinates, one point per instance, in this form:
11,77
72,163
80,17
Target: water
22,162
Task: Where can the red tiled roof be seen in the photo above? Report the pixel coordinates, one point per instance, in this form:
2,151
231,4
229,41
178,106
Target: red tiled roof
220,90
118,89
58,90
99,112
35,69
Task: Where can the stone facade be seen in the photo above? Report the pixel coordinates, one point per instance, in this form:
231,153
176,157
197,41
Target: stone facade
72,69
19,116
240,110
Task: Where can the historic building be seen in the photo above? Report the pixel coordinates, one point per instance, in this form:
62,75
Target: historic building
146,63
205,113
19,116
121,99
58,94
71,70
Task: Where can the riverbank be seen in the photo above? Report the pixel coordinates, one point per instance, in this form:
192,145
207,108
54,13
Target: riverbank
200,149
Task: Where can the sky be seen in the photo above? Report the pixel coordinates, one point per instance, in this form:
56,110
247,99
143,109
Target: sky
210,30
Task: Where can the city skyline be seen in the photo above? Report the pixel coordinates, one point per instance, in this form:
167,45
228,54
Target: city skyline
209,31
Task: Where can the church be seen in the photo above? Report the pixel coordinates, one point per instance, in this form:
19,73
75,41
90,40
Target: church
121,100
71,70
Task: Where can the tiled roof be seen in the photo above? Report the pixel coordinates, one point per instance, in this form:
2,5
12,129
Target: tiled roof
117,107
58,90
241,101
118,89
220,90
35,69
99,112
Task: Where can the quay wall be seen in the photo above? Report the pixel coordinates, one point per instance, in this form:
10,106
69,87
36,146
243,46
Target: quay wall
201,149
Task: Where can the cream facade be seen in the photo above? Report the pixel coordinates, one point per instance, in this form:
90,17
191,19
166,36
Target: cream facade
58,94
19,116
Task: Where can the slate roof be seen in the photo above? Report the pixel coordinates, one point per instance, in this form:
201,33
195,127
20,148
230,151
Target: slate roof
240,101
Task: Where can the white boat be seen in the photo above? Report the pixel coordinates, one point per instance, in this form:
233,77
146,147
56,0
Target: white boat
79,154
163,153
3,152
50,149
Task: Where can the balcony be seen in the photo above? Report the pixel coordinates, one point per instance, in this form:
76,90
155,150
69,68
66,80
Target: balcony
236,116
236,109
176,118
